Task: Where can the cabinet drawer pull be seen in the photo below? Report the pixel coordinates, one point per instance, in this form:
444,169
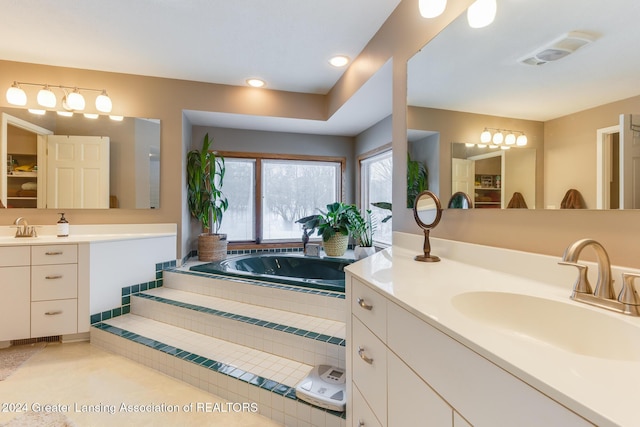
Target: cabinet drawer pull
364,356
53,313
360,423
54,253
57,276
363,304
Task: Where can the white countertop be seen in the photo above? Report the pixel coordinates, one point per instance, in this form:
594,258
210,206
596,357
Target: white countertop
88,233
603,390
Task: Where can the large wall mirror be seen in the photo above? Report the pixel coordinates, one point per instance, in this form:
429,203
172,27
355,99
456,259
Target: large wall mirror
121,166
561,73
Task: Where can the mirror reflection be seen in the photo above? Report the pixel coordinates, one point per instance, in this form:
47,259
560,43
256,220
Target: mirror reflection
460,200
577,110
121,166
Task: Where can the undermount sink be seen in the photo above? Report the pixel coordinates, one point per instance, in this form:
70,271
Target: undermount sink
566,326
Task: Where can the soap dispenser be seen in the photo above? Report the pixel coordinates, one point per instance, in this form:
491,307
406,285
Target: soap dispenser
62,226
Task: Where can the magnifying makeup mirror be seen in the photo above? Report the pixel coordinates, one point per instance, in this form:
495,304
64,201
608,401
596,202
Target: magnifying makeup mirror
427,212
460,200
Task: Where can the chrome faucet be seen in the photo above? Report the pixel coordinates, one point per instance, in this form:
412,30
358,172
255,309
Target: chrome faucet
628,301
23,229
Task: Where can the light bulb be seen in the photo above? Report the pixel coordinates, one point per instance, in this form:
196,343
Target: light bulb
255,82
432,8
46,97
75,101
481,13
498,137
339,61
103,102
510,139
485,136
16,96
522,140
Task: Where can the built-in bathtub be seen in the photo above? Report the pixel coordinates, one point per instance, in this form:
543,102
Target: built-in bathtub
290,269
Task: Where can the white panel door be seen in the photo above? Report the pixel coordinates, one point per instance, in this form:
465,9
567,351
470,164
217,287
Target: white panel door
463,177
77,172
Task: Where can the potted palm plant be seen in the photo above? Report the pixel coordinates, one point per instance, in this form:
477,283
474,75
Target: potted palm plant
362,228
333,225
207,203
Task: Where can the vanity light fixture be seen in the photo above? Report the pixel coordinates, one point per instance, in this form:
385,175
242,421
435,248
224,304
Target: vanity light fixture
481,13
432,8
16,95
46,97
253,82
339,61
72,98
497,136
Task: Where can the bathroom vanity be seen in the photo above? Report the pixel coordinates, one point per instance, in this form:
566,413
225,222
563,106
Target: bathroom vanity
49,286
485,337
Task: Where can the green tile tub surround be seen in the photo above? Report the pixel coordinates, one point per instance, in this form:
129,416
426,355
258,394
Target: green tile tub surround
210,364
330,294
250,320
127,291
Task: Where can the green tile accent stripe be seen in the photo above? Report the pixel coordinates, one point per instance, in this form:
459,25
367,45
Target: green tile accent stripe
127,291
339,295
250,320
216,366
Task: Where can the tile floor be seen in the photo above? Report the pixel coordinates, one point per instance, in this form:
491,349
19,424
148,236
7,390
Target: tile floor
82,374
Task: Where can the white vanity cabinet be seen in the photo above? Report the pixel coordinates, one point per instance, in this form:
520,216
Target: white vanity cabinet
406,372
39,291
14,292
54,290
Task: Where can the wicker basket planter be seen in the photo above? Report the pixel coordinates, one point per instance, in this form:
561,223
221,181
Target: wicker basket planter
336,245
212,247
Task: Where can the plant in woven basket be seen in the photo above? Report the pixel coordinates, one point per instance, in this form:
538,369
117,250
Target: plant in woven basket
333,225
207,203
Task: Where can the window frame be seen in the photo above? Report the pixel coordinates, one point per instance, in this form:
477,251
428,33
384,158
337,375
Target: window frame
258,188
364,158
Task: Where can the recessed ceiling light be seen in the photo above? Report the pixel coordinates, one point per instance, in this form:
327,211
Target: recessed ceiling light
339,60
256,82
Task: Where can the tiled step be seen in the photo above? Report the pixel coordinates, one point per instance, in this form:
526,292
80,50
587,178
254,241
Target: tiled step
312,302
232,371
303,338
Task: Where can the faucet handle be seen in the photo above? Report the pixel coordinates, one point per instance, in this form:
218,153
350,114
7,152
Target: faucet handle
582,284
629,294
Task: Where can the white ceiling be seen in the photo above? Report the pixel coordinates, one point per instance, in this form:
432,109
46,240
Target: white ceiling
287,43
478,71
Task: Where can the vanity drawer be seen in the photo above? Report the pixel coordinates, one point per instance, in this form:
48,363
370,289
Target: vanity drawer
370,307
13,256
369,363
50,282
54,254
363,416
59,317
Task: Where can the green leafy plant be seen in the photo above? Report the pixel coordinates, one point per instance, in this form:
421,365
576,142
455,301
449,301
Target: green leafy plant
205,175
362,227
417,179
335,220
385,206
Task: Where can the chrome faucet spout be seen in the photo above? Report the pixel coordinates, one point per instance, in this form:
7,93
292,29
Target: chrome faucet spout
604,287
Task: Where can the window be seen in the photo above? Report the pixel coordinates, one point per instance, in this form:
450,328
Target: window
267,195
376,173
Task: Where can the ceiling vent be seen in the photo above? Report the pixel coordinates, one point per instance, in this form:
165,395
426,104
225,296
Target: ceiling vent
559,48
